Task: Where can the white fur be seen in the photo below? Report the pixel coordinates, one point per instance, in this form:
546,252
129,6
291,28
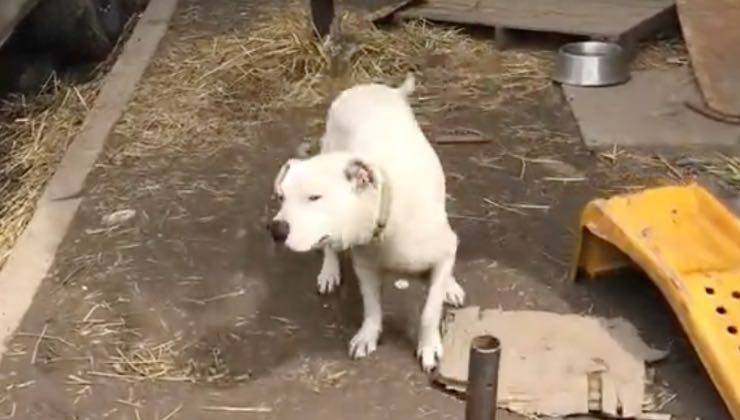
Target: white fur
374,124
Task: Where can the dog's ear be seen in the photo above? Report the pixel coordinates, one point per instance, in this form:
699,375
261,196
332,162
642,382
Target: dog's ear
360,174
281,175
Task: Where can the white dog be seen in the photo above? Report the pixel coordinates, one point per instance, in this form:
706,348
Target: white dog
377,189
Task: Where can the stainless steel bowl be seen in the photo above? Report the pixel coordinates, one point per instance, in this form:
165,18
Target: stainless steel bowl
592,63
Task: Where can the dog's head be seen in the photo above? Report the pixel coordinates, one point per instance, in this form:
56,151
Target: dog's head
330,200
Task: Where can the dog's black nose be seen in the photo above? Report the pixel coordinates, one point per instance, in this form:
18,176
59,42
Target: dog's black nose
279,229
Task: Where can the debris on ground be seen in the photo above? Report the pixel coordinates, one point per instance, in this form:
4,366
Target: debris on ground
551,364
118,217
724,167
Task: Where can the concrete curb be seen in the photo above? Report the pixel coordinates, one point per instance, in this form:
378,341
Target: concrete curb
34,251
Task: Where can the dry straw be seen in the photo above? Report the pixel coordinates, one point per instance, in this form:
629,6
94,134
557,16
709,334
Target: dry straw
34,133
210,91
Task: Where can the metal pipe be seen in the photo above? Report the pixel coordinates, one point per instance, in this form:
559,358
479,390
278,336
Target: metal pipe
322,15
485,352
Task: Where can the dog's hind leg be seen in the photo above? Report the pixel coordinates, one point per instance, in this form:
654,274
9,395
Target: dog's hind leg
330,276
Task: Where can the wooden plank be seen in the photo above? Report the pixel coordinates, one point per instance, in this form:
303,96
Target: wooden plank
11,13
613,19
384,12
653,111
712,32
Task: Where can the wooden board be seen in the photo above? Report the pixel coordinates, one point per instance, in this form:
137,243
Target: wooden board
649,112
603,19
387,10
712,32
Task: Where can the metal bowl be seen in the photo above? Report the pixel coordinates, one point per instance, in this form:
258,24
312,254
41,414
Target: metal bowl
592,63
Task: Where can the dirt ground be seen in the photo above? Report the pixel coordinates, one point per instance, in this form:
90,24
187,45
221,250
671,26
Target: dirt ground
188,311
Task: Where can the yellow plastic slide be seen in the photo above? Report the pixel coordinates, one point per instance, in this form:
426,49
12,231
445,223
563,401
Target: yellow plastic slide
689,245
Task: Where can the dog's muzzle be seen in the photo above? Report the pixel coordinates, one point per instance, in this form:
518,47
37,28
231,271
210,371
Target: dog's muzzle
279,229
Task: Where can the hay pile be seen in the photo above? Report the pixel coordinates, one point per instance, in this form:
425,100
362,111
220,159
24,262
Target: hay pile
209,91
34,135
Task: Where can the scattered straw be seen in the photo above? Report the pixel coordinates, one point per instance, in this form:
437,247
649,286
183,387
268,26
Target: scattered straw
564,180
671,169
613,155
38,343
662,54
12,412
151,362
209,92
234,409
528,206
34,134
211,299
504,207
726,168
173,412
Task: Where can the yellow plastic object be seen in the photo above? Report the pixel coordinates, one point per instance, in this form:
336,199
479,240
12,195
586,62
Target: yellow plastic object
689,245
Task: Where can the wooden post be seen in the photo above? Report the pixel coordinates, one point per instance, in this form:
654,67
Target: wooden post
322,15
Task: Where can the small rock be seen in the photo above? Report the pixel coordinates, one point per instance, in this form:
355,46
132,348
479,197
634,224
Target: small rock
401,284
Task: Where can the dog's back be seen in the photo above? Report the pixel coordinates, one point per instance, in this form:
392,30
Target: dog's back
364,113
376,122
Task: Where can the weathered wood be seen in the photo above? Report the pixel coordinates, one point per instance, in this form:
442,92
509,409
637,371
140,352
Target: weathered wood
322,15
613,19
651,111
384,12
712,32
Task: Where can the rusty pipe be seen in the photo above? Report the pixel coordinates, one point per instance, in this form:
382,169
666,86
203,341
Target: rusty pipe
322,16
485,352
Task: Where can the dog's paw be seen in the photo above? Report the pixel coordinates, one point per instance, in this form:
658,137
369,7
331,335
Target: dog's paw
454,293
429,352
364,342
328,280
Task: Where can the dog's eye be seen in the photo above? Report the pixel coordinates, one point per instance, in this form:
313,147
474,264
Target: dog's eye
314,197
279,197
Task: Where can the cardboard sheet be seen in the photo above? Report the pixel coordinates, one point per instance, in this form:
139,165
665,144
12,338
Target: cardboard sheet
551,362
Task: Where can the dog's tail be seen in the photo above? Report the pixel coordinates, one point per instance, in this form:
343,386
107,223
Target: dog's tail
408,86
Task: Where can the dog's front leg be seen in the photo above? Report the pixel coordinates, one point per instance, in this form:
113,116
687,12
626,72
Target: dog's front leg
366,340
330,275
429,350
